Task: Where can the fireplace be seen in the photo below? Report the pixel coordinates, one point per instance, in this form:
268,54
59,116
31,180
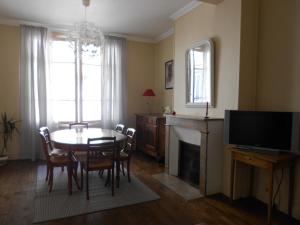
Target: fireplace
207,135
189,163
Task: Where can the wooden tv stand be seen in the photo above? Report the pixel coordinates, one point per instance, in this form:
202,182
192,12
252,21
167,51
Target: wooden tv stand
268,162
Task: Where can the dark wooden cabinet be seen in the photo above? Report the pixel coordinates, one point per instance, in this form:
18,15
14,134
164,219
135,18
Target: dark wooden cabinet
150,134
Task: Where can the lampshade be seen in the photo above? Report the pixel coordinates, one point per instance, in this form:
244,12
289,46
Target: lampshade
149,92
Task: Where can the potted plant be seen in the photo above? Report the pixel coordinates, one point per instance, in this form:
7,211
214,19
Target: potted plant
8,128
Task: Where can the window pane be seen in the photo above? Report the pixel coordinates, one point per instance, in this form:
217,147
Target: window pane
62,52
91,92
63,110
91,82
91,110
63,81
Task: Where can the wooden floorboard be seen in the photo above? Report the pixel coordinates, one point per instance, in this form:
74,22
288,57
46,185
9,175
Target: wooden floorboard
17,188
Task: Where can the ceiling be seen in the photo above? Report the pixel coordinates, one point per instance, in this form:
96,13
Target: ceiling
140,18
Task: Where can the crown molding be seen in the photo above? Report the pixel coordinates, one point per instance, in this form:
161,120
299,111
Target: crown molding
133,38
214,2
9,22
164,35
64,28
184,10
16,22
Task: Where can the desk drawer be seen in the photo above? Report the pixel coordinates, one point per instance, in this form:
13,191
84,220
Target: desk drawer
248,159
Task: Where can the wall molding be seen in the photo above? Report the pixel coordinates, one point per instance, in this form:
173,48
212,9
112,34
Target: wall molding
64,28
164,35
184,10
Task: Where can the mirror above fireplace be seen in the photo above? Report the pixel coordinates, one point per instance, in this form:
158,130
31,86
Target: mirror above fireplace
199,60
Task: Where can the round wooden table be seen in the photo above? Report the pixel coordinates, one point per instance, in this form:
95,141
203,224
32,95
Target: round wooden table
77,140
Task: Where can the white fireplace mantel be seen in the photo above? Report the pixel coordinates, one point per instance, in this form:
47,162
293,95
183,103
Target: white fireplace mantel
204,132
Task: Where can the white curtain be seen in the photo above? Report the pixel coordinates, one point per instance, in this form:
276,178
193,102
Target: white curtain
32,88
114,83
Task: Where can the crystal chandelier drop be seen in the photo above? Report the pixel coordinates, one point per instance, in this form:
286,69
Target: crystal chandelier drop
86,37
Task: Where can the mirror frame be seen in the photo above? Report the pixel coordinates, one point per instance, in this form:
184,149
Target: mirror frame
210,44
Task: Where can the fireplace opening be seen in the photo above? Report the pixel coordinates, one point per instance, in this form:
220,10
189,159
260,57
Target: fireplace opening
189,163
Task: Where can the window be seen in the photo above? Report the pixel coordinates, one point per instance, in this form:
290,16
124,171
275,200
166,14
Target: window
75,92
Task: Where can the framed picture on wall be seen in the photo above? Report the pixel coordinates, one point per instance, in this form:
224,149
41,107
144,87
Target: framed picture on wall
169,74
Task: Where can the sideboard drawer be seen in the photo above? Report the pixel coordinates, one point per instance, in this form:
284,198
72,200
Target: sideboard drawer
151,120
140,119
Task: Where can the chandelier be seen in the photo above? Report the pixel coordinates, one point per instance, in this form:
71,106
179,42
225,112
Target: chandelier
86,37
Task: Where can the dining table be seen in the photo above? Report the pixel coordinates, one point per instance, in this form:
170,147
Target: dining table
76,139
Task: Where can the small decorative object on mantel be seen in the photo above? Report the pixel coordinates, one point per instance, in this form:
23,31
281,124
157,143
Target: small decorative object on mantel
8,127
206,113
166,110
174,113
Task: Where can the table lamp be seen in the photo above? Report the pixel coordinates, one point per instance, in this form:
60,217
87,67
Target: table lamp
149,93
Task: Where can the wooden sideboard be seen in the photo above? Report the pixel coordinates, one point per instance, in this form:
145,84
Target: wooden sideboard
150,134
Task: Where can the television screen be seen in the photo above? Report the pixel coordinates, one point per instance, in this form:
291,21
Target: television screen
259,130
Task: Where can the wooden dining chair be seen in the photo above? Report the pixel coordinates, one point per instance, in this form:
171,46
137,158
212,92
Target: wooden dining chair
120,128
79,124
126,152
97,161
54,158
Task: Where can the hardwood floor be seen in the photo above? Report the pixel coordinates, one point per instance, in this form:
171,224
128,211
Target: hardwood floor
17,188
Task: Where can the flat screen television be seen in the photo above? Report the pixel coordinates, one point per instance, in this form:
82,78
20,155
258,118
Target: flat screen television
262,130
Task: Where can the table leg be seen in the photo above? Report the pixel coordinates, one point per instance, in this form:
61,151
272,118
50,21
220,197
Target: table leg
75,175
291,188
233,164
70,178
270,203
251,180
118,166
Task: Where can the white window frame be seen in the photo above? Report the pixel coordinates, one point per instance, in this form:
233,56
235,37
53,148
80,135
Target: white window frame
78,89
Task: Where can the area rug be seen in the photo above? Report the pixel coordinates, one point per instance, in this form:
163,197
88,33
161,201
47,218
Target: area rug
58,204
180,187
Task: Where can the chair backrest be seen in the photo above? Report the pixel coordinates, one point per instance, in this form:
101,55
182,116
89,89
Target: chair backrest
97,146
130,133
79,124
120,128
46,141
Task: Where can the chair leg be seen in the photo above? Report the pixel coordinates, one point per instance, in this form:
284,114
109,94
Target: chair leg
50,183
69,168
81,176
87,185
100,173
128,170
113,182
47,175
107,178
123,168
